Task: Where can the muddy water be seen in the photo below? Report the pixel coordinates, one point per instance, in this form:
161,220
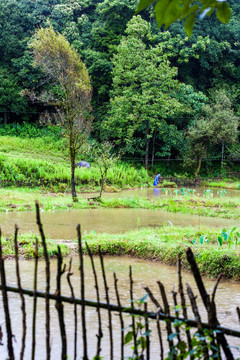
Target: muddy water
62,224
144,273
157,191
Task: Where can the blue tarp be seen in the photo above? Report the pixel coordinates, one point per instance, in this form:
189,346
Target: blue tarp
156,180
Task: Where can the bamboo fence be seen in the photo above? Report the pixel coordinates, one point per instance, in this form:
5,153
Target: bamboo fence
184,337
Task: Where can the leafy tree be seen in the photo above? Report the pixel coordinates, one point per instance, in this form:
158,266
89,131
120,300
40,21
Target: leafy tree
145,92
105,159
169,11
70,91
10,98
217,125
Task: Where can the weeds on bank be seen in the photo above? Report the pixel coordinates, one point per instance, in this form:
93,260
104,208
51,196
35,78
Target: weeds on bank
165,243
27,247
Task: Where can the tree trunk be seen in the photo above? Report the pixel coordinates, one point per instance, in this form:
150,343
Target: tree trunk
72,160
73,188
198,169
5,115
153,146
147,146
222,158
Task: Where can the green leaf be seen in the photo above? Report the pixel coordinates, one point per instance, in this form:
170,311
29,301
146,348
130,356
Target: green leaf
128,337
189,23
172,336
143,4
224,13
220,241
161,11
143,298
142,342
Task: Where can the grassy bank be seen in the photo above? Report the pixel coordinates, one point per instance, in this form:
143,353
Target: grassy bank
43,162
165,243
22,199
27,247
159,244
223,184
36,156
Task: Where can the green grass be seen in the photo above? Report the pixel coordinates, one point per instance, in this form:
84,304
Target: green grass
27,247
22,199
165,243
162,244
225,184
41,161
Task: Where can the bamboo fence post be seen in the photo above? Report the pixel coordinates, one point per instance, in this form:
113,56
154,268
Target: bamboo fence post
59,304
34,301
212,319
147,332
183,304
206,300
47,271
167,313
5,304
23,307
100,333
83,310
120,315
174,295
75,308
198,319
238,313
133,317
107,299
159,309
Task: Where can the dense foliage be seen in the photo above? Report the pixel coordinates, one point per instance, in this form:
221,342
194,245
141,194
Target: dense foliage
147,114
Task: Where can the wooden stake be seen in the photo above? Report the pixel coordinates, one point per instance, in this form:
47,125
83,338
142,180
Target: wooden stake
47,270
83,311
23,307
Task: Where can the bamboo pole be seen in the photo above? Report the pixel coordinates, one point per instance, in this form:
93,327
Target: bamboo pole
108,304
147,331
69,274
198,320
115,308
178,330
23,306
100,333
47,271
159,309
206,300
34,300
82,284
183,304
167,312
5,303
120,315
133,317
59,305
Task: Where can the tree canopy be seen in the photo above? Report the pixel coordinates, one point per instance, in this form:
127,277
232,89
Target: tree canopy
70,92
203,63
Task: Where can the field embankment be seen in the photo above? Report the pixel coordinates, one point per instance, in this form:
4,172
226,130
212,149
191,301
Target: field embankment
162,244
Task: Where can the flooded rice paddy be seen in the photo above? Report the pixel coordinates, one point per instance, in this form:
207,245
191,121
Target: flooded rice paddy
145,273
62,225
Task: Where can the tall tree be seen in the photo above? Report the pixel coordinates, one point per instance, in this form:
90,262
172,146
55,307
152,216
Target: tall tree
145,92
70,92
218,125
